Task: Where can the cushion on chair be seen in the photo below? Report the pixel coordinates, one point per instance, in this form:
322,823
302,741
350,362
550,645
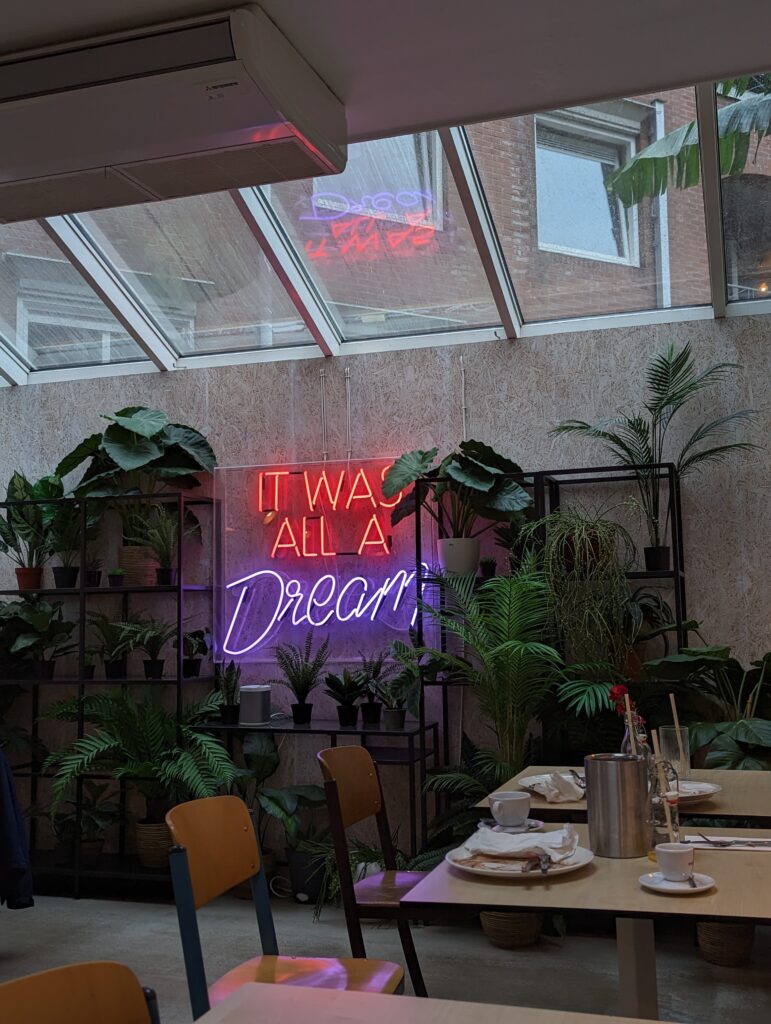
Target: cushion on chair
386,888
311,972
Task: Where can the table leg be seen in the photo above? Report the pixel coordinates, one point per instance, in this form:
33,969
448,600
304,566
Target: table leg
636,946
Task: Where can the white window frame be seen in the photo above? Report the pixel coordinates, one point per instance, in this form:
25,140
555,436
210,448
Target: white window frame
587,124
436,220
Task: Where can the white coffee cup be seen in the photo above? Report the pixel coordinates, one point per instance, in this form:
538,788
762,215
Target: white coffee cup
510,809
675,861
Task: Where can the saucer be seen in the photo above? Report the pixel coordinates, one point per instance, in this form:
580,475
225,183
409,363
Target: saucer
531,825
655,882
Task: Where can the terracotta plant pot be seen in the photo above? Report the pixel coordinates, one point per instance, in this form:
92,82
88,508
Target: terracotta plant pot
29,579
65,576
459,555
153,843
394,718
301,714
348,717
510,930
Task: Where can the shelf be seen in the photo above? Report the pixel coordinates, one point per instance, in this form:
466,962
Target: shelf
111,866
188,588
662,574
100,681
322,727
398,755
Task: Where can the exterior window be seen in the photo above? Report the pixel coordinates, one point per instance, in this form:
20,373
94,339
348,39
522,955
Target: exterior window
576,214
396,179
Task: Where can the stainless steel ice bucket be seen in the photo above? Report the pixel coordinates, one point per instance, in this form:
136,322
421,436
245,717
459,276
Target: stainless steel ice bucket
617,804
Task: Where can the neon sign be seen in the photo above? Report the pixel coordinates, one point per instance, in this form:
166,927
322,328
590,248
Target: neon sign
326,206
311,546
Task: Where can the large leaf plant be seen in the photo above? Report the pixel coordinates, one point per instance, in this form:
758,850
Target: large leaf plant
471,484
166,758
639,439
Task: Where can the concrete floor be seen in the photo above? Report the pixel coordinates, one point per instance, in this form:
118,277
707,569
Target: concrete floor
576,973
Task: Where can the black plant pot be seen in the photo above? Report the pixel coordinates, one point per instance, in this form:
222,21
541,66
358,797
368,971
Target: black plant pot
88,671
487,572
92,578
229,714
657,559
347,716
370,713
115,581
301,714
191,668
166,577
115,669
304,874
65,576
154,668
43,669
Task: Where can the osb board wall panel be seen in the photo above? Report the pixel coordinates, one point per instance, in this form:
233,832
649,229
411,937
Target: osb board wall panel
516,393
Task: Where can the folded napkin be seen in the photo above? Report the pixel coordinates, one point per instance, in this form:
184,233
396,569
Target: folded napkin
557,846
555,788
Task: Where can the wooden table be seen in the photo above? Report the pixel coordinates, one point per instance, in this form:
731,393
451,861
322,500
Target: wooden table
610,886
745,795
260,1004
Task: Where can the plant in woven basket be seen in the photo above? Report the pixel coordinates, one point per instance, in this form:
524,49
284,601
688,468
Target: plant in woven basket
157,530
165,757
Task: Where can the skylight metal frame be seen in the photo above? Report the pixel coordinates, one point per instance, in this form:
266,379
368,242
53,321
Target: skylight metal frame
12,370
709,155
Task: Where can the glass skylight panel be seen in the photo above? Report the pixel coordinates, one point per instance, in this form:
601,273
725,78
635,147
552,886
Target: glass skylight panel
387,241
575,200
744,121
201,274
49,315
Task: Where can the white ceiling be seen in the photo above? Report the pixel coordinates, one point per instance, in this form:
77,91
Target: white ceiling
402,65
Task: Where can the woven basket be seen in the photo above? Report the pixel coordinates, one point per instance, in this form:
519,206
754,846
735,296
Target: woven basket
153,843
511,931
138,565
727,945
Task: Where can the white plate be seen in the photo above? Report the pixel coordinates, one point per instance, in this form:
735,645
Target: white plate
692,792
579,860
531,780
655,882
531,825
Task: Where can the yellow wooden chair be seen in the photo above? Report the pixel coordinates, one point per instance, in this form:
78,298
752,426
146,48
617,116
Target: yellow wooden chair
215,849
91,993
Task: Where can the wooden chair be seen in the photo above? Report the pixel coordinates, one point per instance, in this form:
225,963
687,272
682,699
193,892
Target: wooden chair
354,793
215,849
92,993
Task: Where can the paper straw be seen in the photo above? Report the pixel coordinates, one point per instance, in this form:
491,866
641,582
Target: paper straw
630,724
662,783
676,720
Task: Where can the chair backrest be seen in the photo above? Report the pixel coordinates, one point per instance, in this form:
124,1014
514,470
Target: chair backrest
222,850
91,993
358,787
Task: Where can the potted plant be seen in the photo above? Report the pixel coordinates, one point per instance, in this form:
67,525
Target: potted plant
345,689
639,440
152,635
24,535
196,644
116,639
42,633
158,531
92,575
261,760
374,673
89,664
116,577
86,830
228,680
165,757
296,808
301,669
401,691
471,485
488,567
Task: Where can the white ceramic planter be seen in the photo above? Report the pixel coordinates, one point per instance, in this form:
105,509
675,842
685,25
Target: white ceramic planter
459,554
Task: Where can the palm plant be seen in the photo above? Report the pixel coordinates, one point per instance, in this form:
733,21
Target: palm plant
116,638
503,625
300,667
345,689
152,635
640,440
165,757
375,673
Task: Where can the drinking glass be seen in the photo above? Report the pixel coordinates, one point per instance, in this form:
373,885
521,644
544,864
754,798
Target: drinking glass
670,749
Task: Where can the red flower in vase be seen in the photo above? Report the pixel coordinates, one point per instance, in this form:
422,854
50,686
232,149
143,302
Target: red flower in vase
617,694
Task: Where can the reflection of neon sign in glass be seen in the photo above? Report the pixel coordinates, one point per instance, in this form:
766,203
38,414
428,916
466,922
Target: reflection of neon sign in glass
334,205
359,237
267,598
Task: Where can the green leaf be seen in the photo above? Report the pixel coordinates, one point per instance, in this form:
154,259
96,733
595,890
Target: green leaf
128,450
139,420
754,731
192,443
407,469
487,457
85,450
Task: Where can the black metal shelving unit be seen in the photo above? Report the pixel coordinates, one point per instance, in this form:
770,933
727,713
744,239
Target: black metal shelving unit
547,488
122,866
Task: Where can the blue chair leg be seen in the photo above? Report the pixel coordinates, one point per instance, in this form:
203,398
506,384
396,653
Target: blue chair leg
188,930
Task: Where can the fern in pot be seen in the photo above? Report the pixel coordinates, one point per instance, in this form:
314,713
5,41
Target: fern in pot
115,640
151,637
301,670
